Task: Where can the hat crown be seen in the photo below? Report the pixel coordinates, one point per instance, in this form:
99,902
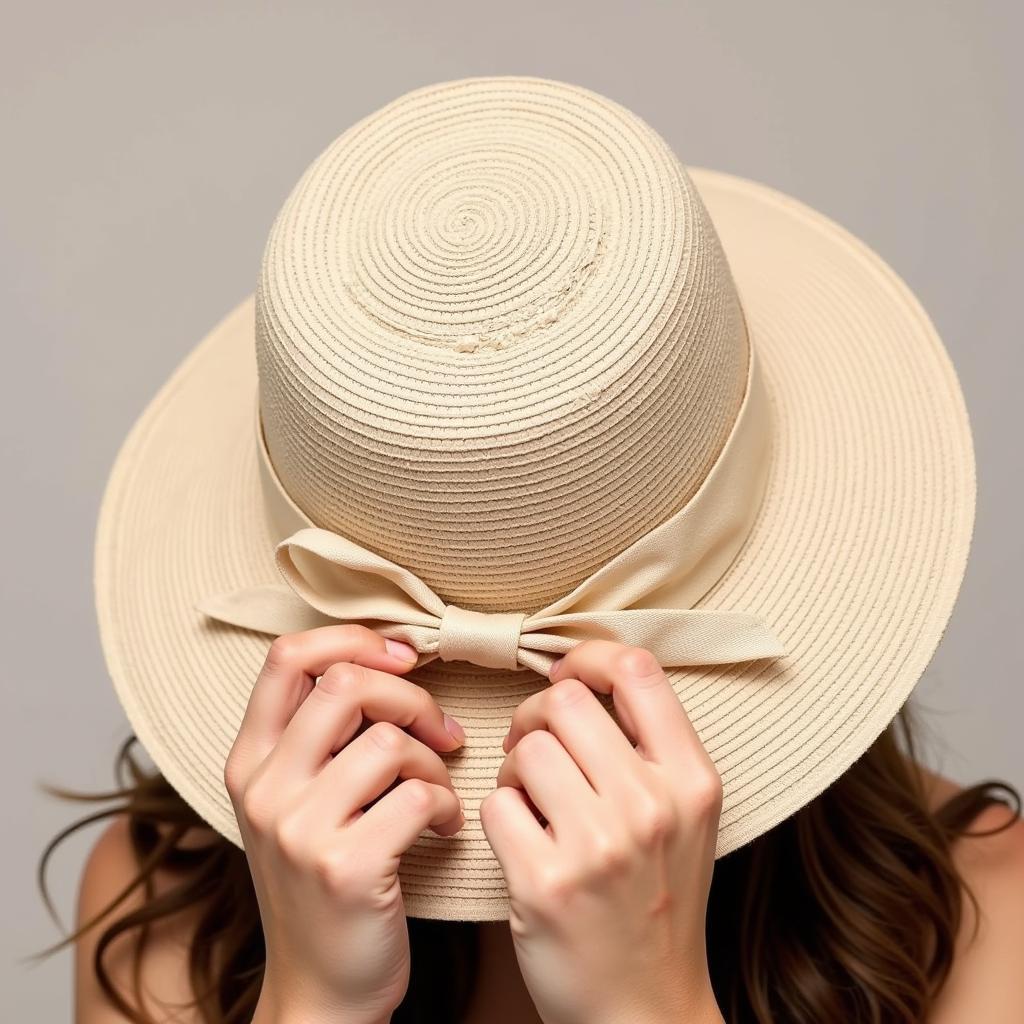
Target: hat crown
497,338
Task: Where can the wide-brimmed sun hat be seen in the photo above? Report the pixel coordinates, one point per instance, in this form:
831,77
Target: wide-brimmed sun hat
514,376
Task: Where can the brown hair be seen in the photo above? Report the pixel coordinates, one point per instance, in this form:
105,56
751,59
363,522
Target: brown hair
848,910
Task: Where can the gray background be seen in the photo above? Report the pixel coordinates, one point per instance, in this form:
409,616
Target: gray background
146,148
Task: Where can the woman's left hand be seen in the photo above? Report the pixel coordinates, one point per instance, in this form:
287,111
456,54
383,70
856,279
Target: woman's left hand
608,899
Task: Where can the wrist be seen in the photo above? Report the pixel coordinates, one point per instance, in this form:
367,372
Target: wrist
711,1014
274,1007
687,1008
290,1015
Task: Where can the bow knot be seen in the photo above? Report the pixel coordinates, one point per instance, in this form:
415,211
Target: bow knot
643,597
490,639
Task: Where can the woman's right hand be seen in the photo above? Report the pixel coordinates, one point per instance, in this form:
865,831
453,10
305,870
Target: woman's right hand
325,870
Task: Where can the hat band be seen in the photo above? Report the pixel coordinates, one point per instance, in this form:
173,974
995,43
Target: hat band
644,596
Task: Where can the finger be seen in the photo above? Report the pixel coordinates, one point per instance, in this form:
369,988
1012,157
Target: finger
544,769
395,821
334,711
514,834
293,662
361,773
644,699
570,710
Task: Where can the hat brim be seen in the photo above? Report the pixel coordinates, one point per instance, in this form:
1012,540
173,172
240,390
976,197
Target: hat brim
855,559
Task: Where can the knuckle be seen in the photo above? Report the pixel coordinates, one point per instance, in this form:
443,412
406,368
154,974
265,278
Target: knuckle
535,744
257,811
704,792
338,870
567,692
341,678
492,803
417,794
388,736
552,887
608,855
234,782
427,704
291,839
637,662
283,650
653,821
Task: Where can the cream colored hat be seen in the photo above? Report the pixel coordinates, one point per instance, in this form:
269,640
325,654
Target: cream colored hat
512,377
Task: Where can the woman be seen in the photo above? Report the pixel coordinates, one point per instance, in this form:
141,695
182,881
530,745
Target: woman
526,387
893,896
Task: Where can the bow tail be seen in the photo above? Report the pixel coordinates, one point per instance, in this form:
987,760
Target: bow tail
272,608
276,609
676,637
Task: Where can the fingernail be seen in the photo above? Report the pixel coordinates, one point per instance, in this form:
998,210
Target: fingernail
401,650
454,729
555,665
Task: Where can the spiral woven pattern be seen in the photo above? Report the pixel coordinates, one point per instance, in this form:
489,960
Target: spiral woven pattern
403,410
497,339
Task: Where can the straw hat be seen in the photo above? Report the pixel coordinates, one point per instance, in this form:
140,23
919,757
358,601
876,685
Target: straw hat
511,377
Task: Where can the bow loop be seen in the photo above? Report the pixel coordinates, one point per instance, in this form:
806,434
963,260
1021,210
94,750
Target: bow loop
343,580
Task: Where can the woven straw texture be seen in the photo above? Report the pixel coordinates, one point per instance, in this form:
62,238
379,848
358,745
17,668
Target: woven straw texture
499,333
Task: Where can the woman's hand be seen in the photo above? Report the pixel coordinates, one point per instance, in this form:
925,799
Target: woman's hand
325,870
608,900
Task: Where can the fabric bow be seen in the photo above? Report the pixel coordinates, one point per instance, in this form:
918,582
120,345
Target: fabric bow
643,596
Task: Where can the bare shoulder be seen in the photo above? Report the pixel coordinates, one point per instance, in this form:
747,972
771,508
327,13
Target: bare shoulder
110,868
987,979
998,857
